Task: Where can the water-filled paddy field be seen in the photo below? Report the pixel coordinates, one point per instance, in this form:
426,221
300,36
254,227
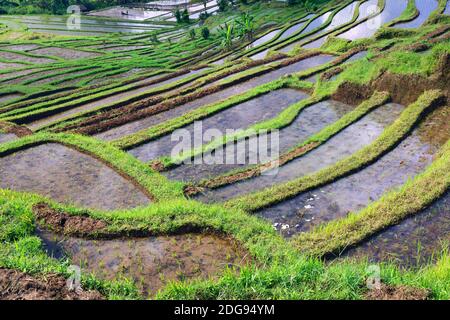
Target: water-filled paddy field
223,157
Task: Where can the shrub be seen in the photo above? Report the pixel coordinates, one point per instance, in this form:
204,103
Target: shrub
223,5
205,33
185,16
192,34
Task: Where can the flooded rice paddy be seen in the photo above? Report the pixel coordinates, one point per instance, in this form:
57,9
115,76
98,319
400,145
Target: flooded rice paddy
68,176
344,16
310,121
141,88
84,25
415,241
295,28
392,10
6,137
317,22
115,70
266,38
238,117
355,192
151,262
425,7
345,143
136,126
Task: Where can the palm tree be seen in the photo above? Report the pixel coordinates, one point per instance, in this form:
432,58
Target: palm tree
246,25
226,33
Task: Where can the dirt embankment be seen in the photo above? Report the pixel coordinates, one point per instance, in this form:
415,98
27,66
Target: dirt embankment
16,285
20,131
67,224
404,89
397,293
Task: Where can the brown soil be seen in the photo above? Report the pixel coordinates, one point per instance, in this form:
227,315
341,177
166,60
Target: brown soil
404,89
157,166
19,131
327,75
15,285
436,33
190,190
418,47
442,38
67,224
397,293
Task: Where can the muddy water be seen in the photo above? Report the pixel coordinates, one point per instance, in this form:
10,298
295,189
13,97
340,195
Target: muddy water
344,144
150,262
68,176
295,28
20,57
313,25
356,191
263,39
84,27
6,137
9,65
7,97
425,7
415,241
447,8
21,47
393,9
108,100
260,55
133,14
238,117
69,33
136,126
64,53
309,122
342,17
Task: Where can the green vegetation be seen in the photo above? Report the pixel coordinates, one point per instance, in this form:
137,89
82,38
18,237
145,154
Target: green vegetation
173,63
386,141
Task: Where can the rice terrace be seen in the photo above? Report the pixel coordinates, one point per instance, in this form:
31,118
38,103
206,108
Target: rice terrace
225,150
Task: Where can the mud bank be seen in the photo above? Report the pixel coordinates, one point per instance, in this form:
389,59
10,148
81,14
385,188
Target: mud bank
240,116
345,143
68,176
404,89
309,121
16,285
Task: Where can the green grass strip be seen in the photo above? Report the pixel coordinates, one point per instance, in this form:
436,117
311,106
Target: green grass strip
385,142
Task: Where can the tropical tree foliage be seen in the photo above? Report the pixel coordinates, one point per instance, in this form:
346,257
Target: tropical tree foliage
246,26
226,34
